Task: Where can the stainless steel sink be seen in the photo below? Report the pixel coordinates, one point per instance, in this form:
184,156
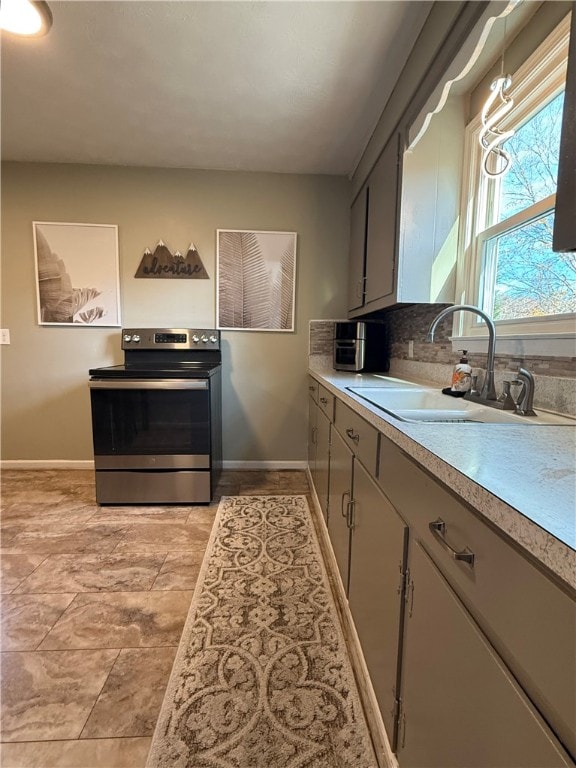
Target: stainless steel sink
422,404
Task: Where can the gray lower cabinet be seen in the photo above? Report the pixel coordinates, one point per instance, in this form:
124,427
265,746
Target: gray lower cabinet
318,452
377,569
460,706
473,665
340,495
369,541
313,411
322,466
528,617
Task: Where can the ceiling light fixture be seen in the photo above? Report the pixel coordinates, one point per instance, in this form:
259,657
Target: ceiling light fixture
496,161
30,18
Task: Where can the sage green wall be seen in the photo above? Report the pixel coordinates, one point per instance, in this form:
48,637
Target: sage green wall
45,401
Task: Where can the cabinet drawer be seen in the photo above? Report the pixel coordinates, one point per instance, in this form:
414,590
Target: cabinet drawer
460,705
361,437
529,618
326,402
313,388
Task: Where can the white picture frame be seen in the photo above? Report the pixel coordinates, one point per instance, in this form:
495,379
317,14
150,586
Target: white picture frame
255,280
77,274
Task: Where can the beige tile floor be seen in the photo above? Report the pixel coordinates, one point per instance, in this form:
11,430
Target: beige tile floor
93,604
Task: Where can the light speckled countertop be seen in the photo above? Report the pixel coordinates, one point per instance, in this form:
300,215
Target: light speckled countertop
522,478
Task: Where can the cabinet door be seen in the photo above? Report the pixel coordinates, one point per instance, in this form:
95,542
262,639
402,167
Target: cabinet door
312,430
320,476
377,564
340,494
460,705
565,218
528,618
381,238
357,253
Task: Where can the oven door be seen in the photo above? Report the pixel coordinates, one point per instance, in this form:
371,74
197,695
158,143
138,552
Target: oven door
150,424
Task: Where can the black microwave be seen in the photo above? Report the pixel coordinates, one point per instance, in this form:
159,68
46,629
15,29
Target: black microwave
361,345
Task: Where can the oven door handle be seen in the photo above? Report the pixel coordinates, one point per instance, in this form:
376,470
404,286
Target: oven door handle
148,384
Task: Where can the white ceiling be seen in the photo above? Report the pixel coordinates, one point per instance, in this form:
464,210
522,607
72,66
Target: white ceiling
260,86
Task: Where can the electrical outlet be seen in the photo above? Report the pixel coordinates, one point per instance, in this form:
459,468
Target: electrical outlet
4,336
411,348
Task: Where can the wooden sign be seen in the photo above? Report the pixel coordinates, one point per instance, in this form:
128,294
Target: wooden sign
165,264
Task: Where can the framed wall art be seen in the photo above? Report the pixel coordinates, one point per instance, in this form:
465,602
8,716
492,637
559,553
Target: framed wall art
256,280
77,274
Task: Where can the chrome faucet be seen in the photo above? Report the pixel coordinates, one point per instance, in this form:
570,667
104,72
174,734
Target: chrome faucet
488,390
525,401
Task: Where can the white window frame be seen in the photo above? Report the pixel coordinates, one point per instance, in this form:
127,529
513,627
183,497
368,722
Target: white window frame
538,80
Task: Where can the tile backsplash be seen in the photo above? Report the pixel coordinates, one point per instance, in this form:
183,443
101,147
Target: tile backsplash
555,377
321,337
412,323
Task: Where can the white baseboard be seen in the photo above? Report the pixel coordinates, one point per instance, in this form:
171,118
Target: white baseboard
46,464
89,464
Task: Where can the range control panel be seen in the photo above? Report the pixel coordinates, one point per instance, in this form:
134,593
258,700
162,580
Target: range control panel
170,338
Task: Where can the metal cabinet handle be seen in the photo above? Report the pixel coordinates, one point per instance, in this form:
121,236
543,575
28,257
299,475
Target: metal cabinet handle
438,530
409,594
350,509
313,435
353,435
311,388
344,512
402,729
324,400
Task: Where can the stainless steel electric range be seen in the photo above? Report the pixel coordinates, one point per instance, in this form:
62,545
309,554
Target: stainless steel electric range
156,419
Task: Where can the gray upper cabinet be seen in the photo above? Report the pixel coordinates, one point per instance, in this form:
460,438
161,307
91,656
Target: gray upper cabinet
412,199
381,227
357,256
373,235
565,219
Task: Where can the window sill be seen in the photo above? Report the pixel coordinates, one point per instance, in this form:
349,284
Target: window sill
533,345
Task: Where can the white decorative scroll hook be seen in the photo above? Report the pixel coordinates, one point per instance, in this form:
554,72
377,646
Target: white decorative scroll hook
491,137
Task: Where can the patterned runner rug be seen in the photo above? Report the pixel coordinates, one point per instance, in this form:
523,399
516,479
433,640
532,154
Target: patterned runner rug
262,677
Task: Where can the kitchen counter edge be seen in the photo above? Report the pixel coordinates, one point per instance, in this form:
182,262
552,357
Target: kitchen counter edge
519,525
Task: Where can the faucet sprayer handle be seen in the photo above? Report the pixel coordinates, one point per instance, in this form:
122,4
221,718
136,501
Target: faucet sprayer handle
525,403
508,402
518,383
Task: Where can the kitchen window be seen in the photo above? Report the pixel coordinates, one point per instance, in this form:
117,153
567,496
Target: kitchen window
506,262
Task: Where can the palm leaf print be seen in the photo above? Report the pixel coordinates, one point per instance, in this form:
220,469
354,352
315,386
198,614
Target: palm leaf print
287,291
255,288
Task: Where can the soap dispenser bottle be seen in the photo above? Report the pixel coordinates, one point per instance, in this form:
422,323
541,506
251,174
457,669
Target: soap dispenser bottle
461,375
